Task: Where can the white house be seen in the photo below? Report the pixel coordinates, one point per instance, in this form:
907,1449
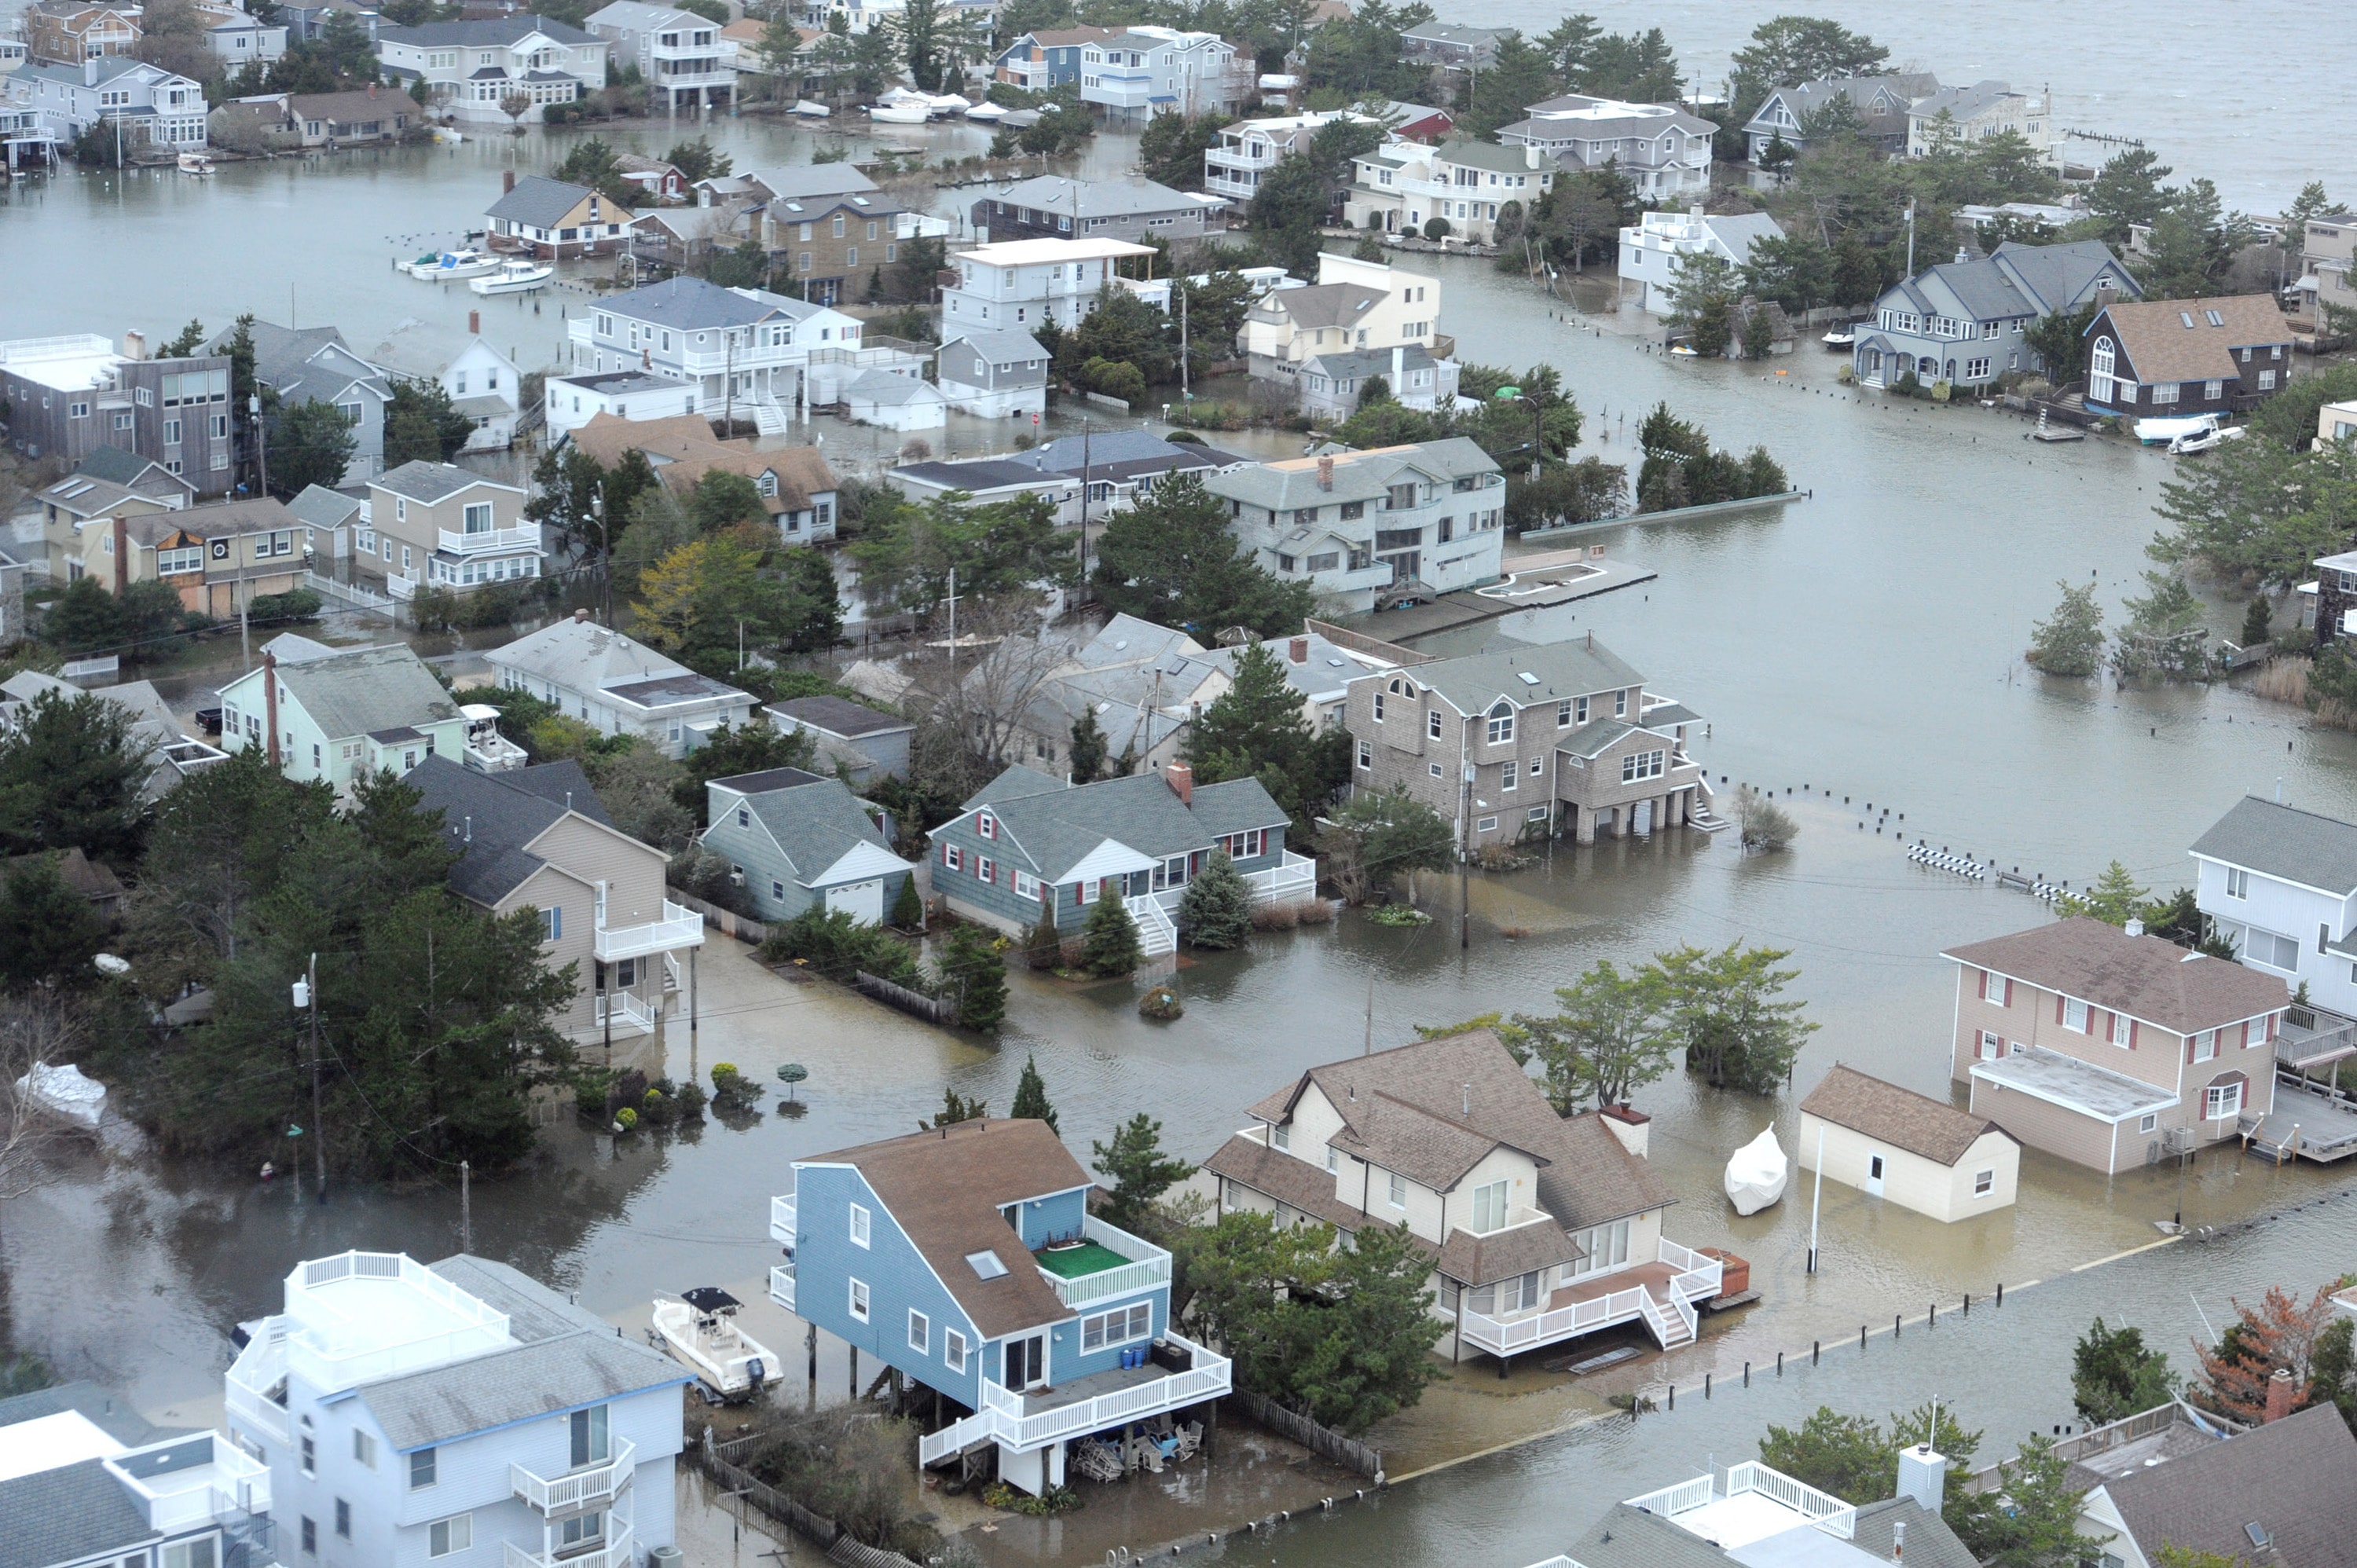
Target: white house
1977,112
153,107
237,37
411,1413
1907,1148
1366,308
895,401
1663,151
574,401
619,686
341,714
1022,283
485,385
84,1481
1143,71
1650,252
1401,187
2279,885
744,347
679,53
472,70
1248,149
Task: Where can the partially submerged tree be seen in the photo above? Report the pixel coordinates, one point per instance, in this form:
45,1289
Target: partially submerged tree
1109,944
2114,1375
1727,1010
1215,912
1611,1039
1380,834
2071,641
1031,1095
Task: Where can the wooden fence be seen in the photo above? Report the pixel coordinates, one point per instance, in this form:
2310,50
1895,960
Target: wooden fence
1320,1440
841,1546
931,1009
726,922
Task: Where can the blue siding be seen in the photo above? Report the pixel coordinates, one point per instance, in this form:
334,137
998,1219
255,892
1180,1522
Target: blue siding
997,896
896,1277
769,877
1066,1361
1041,1220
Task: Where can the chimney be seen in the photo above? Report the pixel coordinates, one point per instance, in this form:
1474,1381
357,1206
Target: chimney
1963,255
371,90
581,615
474,323
2280,1394
1468,1099
507,181
1297,651
1325,473
1181,779
269,696
1898,1541
2105,295
2136,927
135,345
1923,1477
1529,155
122,553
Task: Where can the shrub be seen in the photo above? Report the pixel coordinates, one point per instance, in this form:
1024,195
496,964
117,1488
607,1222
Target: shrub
908,907
300,604
1276,917
838,946
1109,943
732,1091
626,1119
1043,949
974,975
1437,228
1216,911
1160,1003
690,1101
1762,824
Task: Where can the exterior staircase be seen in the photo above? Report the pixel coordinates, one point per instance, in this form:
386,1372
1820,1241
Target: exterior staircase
772,417
1672,1318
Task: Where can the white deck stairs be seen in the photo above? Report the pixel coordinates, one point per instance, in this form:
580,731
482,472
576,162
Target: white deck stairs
772,417
1672,1319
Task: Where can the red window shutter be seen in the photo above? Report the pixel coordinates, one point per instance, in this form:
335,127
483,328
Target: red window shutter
2132,1033
2246,1035
1985,979
2057,1006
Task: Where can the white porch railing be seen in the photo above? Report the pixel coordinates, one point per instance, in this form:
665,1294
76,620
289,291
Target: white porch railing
1001,1419
1156,933
782,1219
1698,1280
781,1286
618,1552
1294,877
337,1340
579,1489
1148,1266
1827,1512
482,539
1698,1273
259,1368
680,926
626,1009
349,593
402,588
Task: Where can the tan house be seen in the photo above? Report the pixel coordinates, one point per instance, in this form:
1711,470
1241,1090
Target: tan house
1914,1150
2109,1047
1560,737
795,484
220,558
547,219
1540,1228
1353,306
437,525
77,501
537,838
372,113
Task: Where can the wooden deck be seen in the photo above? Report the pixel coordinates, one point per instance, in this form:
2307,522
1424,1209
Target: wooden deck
2309,1122
1655,1277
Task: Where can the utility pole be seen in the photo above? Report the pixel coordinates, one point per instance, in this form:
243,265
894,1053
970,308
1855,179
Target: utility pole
466,1207
953,603
606,542
306,991
1465,865
1179,282
1085,471
1910,239
1815,1199
261,439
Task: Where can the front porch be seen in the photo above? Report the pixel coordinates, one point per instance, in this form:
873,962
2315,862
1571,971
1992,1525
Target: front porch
1039,1422
1660,1294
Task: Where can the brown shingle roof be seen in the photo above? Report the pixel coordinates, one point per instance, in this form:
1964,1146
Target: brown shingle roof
1421,1145
690,451
1501,1255
347,108
1899,1117
2142,977
607,437
945,1193
2294,1478
1296,1183
2162,348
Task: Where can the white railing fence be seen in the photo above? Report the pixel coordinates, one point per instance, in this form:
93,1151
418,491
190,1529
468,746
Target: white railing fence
782,1219
1684,1497
680,926
1823,1510
580,1488
618,1552
627,1009
1002,1417
781,1286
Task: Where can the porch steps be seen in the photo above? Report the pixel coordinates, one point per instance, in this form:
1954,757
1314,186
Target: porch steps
1671,1328
1704,819
771,418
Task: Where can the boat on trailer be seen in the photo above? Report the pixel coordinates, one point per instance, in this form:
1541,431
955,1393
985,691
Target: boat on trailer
699,1331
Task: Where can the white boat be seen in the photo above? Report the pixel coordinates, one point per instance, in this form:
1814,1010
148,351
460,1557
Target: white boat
449,265
2207,440
65,1093
514,278
2161,431
1683,351
1757,1174
195,163
811,111
948,105
988,113
700,1332
900,112
1839,337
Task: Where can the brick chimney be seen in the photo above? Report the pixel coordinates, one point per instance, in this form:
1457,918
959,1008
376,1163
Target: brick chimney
1325,473
1181,779
1297,651
474,323
122,553
2280,1394
507,180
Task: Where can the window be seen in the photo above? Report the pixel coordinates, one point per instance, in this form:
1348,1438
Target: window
1619,705
954,1349
552,928
479,517
2238,883
1509,777
1535,814
1379,707
2268,948
421,1469
1025,884
1433,768
1603,1248
310,1536
2074,1016
920,1333
985,868
446,1537
859,1300
2202,1046
1431,724
2266,380
310,1449
1501,722
2164,392
2212,391
2221,1101
343,1519
1399,1190
1990,1049
1563,714
1996,990
202,1553
1579,710
1984,1183
1284,1131
1486,825
1643,765
2148,1122
590,1436
2120,1030
188,558
859,1226
952,858
1366,756
1489,1208
1333,1161
1119,1327
364,1446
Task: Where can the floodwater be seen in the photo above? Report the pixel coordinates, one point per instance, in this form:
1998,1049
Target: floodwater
1860,648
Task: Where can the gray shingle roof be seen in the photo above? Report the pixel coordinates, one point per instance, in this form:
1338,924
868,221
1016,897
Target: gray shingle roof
367,689
322,508
685,304
1577,668
110,1413
2294,1478
1325,304
979,474
1470,154
1001,347
477,34
566,1358
429,482
1631,1538
817,825
1097,198
491,820
808,181
2060,275
67,1514
1055,829
537,202
1016,780
118,467
583,656
2306,847
838,716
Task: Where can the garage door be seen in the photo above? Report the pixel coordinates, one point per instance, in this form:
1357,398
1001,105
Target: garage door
863,900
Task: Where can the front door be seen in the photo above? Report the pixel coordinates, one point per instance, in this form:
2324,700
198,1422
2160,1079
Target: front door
1873,1176
1027,1363
1641,818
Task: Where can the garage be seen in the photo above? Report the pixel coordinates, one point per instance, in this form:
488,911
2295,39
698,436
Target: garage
863,901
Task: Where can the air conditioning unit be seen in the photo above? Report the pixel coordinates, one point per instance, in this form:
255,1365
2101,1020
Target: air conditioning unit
737,875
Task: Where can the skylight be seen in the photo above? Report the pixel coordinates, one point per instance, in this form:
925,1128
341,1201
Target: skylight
986,1265
1528,679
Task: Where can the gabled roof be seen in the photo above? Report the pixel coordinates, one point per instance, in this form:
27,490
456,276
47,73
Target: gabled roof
1087,199
487,31
1577,668
838,715
68,1513
813,181
823,828
1058,829
1899,1117
2294,1478
2142,977
1102,454
1000,347
980,474
128,469
689,303
582,656
2304,848
1963,102
2058,277
2176,340
1131,640
1323,304
430,482
322,508
538,201
944,1189
367,689
491,820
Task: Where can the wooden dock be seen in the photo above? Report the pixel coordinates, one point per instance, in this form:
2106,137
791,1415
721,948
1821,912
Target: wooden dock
2309,1122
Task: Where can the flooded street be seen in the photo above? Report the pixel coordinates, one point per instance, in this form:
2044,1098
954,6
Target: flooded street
1860,648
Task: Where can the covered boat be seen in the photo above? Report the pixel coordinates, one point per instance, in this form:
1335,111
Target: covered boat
810,109
65,1093
1757,1174
2161,431
699,1330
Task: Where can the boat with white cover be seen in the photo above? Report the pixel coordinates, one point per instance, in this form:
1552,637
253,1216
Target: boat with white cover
699,1331
1757,1174
514,278
64,1093
444,266
809,110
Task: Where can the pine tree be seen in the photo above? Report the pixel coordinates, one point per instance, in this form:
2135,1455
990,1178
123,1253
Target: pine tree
975,975
908,907
1045,945
1141,1172
955,1108
1032,1096
1088,755
1109,942
1216,911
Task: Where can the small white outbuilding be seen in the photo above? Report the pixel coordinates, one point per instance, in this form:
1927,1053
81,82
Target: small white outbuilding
1917,1152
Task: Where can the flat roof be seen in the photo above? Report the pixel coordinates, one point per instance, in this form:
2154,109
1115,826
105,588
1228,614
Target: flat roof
1034,253
2074,1085
47,1442
81,362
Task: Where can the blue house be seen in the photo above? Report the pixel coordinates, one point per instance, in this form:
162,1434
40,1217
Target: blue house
1037,61
794,839
1028,840
965,1257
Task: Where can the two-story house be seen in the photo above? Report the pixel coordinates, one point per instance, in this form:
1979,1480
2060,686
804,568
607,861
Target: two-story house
1452,44
793,840
315,365
1540,1228
1054,207
2265,877
1018,284
1977,112
340,714
1142,71
2263,1494
618,685
742,350
236,37
1354,306
538,838
411,1413
830,228
1876,108
1139,682
1654,247
72,394
220,558
1036,61
1660,149
2166,358
2328,247
1402,186
476,71
1028,842
85,1482
796,487
2111,1047
146,104
1248,149
863,741
442,526
967,1260
67,32
1417,520
85,497
167,752
1966,322
994,374
677,53
552,218
1561,738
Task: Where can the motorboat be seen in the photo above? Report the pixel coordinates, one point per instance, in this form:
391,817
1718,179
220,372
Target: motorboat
950,105
2162,431
986,112
1839,337
1757,1174
900,112
514,278
64,1093
699,1331
2209,440
1683,351
195,163
809,110
446,266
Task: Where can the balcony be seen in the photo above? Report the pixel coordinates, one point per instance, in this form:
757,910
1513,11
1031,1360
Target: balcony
680,926
782,1219
1115,1262
1660,1295
620,1551
193,1482
594,1486
624,1009
488,541
781,1286
1756,1503
256,1385
358,1316
1030,1420
2312,1038
742,358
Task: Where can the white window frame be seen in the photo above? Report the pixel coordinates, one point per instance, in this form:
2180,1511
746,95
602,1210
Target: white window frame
2148,1122
858,1299
2120,1030
457,1534
2074,1016
1490,1200
2221,1101
920,1333
1124,1324
954,1349
1501,722
2238,883
1398,1190
1991,1047
1985,1182
2205,1045
860,1225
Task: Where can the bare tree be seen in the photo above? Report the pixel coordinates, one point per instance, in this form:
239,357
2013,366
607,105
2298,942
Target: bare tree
35,1030
974,703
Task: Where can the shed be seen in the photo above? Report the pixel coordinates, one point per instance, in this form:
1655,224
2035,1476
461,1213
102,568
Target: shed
1917,1152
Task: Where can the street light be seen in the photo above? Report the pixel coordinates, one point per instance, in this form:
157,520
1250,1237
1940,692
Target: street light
1538,422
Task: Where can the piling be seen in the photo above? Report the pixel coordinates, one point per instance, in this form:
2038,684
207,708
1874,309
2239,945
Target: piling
1705,1385
1747,1374
1894,1326
1673,1396
1780,1363
1816,1350
1935,1320
1968,1304
2000,1293
1861,1335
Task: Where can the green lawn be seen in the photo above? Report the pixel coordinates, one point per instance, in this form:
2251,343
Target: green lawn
1086,1259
